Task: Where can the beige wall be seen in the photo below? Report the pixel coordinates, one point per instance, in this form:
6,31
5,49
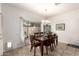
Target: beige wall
71,21
1,37
12,24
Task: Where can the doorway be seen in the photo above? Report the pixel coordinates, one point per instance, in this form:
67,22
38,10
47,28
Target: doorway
29,28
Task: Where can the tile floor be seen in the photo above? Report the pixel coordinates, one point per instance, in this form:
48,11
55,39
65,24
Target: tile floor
61,50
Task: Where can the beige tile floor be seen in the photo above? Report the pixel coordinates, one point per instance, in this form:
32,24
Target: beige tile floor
61,50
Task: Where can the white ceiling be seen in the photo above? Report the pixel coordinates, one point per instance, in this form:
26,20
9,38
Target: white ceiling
51,8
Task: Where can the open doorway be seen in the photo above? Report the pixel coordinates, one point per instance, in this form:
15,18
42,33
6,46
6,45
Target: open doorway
29,28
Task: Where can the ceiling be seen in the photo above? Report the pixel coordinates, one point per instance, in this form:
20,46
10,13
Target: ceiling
49,9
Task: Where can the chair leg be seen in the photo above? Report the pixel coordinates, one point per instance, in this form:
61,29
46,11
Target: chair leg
51,47
34,51
41,50
47,50
56,41
31,48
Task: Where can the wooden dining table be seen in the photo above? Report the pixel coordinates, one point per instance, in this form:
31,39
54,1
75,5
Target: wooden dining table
42,40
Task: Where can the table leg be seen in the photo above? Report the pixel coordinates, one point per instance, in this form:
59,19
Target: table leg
41,47
57,41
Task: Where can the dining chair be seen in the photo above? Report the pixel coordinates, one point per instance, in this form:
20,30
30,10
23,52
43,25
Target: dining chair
53,40
34,44
56,39
47,44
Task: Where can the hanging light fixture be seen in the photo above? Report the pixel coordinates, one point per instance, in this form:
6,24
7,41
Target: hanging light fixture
46,17
46,14
57,3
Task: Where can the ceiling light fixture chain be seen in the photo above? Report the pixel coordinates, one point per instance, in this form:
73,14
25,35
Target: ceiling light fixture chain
46,14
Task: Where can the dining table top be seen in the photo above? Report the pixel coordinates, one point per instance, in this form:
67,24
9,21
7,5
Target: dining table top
41,39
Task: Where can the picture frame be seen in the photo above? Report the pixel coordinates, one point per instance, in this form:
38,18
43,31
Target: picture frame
60,27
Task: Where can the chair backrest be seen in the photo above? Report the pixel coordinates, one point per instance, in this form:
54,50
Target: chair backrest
36,34
50,33
48,41
41,34
55,35
51,37
32,39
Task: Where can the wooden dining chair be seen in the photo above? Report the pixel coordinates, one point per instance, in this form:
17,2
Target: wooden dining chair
53,40
34,43
56,39
41,34
47,44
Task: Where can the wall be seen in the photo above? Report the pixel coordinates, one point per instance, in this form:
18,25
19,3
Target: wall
1,37
0,20
71,21
12,24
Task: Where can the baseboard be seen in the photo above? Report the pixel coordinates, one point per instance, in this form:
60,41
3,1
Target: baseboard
72,45
16,48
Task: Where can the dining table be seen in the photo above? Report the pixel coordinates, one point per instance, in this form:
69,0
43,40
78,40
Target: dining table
45,41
